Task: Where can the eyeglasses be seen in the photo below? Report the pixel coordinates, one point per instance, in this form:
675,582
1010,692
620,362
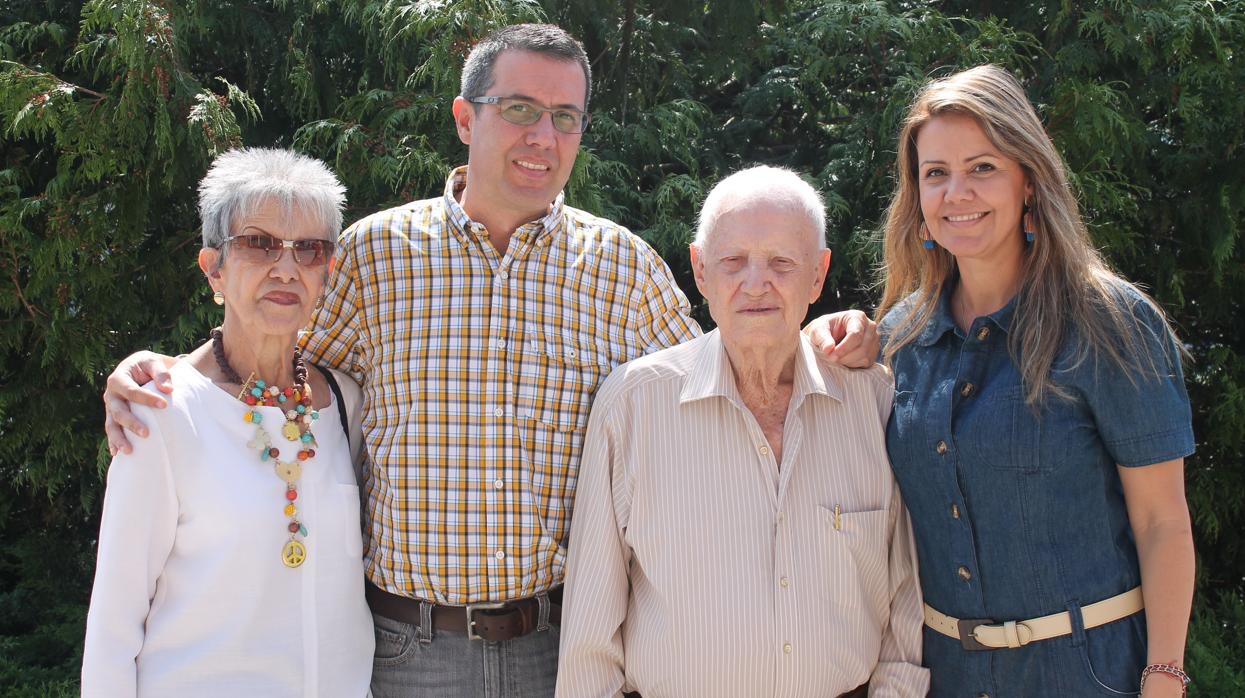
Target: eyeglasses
266,249
524,113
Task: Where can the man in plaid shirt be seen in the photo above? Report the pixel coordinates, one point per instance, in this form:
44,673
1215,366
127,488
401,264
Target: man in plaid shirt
479,324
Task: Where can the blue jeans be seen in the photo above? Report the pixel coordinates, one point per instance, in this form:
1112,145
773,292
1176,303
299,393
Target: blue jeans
413,661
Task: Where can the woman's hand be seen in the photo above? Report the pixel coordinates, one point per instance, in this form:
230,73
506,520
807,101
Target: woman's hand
848,338
125,386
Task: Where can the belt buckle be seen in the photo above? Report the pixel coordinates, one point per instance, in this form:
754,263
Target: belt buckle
968,628
471,611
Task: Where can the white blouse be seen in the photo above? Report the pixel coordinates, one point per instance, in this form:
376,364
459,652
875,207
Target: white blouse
191,596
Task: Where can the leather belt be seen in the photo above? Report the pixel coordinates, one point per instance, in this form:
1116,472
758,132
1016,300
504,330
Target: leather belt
494,622
861,691
987,634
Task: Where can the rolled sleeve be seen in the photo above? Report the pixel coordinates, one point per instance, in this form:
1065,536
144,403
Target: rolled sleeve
591,656
1143,415
899,673
135,538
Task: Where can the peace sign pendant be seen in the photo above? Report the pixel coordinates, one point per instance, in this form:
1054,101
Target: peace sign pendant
293,554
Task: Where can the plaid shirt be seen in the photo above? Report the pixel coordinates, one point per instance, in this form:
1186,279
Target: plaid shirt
478,370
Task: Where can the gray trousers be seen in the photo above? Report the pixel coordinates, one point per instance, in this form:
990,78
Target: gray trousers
414,662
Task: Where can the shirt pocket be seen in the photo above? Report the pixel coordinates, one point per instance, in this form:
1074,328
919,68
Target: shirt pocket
1001,433
559,374
855,558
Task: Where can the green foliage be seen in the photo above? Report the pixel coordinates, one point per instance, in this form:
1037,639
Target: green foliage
111,110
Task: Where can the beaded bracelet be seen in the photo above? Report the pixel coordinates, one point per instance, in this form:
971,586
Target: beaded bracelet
1169,669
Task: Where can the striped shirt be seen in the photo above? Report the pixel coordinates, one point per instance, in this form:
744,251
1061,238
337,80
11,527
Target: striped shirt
700,566
478,370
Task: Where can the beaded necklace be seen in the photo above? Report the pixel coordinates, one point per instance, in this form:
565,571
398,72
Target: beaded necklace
297,427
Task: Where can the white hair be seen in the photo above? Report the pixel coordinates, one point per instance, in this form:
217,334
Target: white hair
242,180
762,184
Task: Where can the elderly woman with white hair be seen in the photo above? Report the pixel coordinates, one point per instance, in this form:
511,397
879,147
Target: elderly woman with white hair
230,553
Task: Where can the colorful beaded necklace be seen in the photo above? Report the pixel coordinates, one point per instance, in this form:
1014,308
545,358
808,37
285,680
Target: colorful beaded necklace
297,427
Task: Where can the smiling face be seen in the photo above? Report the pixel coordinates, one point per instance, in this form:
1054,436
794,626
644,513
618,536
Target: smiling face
972,196
514,172
274,298
759,270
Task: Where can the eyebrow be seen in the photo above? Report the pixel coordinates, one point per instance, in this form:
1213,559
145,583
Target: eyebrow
533,100
968,159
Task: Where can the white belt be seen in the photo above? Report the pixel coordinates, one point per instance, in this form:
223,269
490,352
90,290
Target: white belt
986,634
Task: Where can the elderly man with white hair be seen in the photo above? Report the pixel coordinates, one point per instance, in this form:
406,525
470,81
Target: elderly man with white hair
737,530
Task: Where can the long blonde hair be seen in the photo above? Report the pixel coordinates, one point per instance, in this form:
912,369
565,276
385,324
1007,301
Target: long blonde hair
1065,283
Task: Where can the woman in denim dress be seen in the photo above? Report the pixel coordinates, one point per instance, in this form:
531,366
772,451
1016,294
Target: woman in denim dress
1040,422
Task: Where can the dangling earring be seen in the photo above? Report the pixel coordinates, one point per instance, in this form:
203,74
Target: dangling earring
926,240
320,302
1027,223
218,298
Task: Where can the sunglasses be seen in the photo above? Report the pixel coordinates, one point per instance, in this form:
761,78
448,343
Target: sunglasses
261,248
524,113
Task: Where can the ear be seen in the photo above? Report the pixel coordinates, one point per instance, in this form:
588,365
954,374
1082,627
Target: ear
823,265
698,267
464,113
208,258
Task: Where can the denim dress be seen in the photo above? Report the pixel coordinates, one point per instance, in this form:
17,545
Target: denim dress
1019,513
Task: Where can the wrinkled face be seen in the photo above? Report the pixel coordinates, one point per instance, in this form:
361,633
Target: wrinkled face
519,170
759,270
972,196
268,298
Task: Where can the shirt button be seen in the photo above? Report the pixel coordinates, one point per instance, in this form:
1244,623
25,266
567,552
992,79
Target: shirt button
764,450
500,554
941,447
981,337
787,648
784,582
503,275
498,412
781,517
964,573
498,484
966,389
570,353
955,511
500,344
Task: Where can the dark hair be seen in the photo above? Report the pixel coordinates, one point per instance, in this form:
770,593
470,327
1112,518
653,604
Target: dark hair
545,39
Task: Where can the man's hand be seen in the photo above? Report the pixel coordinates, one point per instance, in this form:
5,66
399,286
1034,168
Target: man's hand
848,338
125,386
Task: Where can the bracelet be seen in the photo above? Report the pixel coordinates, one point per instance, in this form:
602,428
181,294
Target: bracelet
1169,669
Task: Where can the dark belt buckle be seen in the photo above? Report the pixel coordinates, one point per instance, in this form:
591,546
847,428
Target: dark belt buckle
968,633
472,608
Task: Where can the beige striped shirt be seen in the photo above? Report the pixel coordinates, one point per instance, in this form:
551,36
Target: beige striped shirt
699,566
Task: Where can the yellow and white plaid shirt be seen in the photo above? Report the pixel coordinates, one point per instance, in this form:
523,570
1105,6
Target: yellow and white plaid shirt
478,371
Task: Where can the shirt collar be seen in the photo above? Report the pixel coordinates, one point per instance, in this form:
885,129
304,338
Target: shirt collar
943,321
711,375
549,223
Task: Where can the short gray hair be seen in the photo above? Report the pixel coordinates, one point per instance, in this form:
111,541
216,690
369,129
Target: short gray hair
545,39
762,183
242,180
